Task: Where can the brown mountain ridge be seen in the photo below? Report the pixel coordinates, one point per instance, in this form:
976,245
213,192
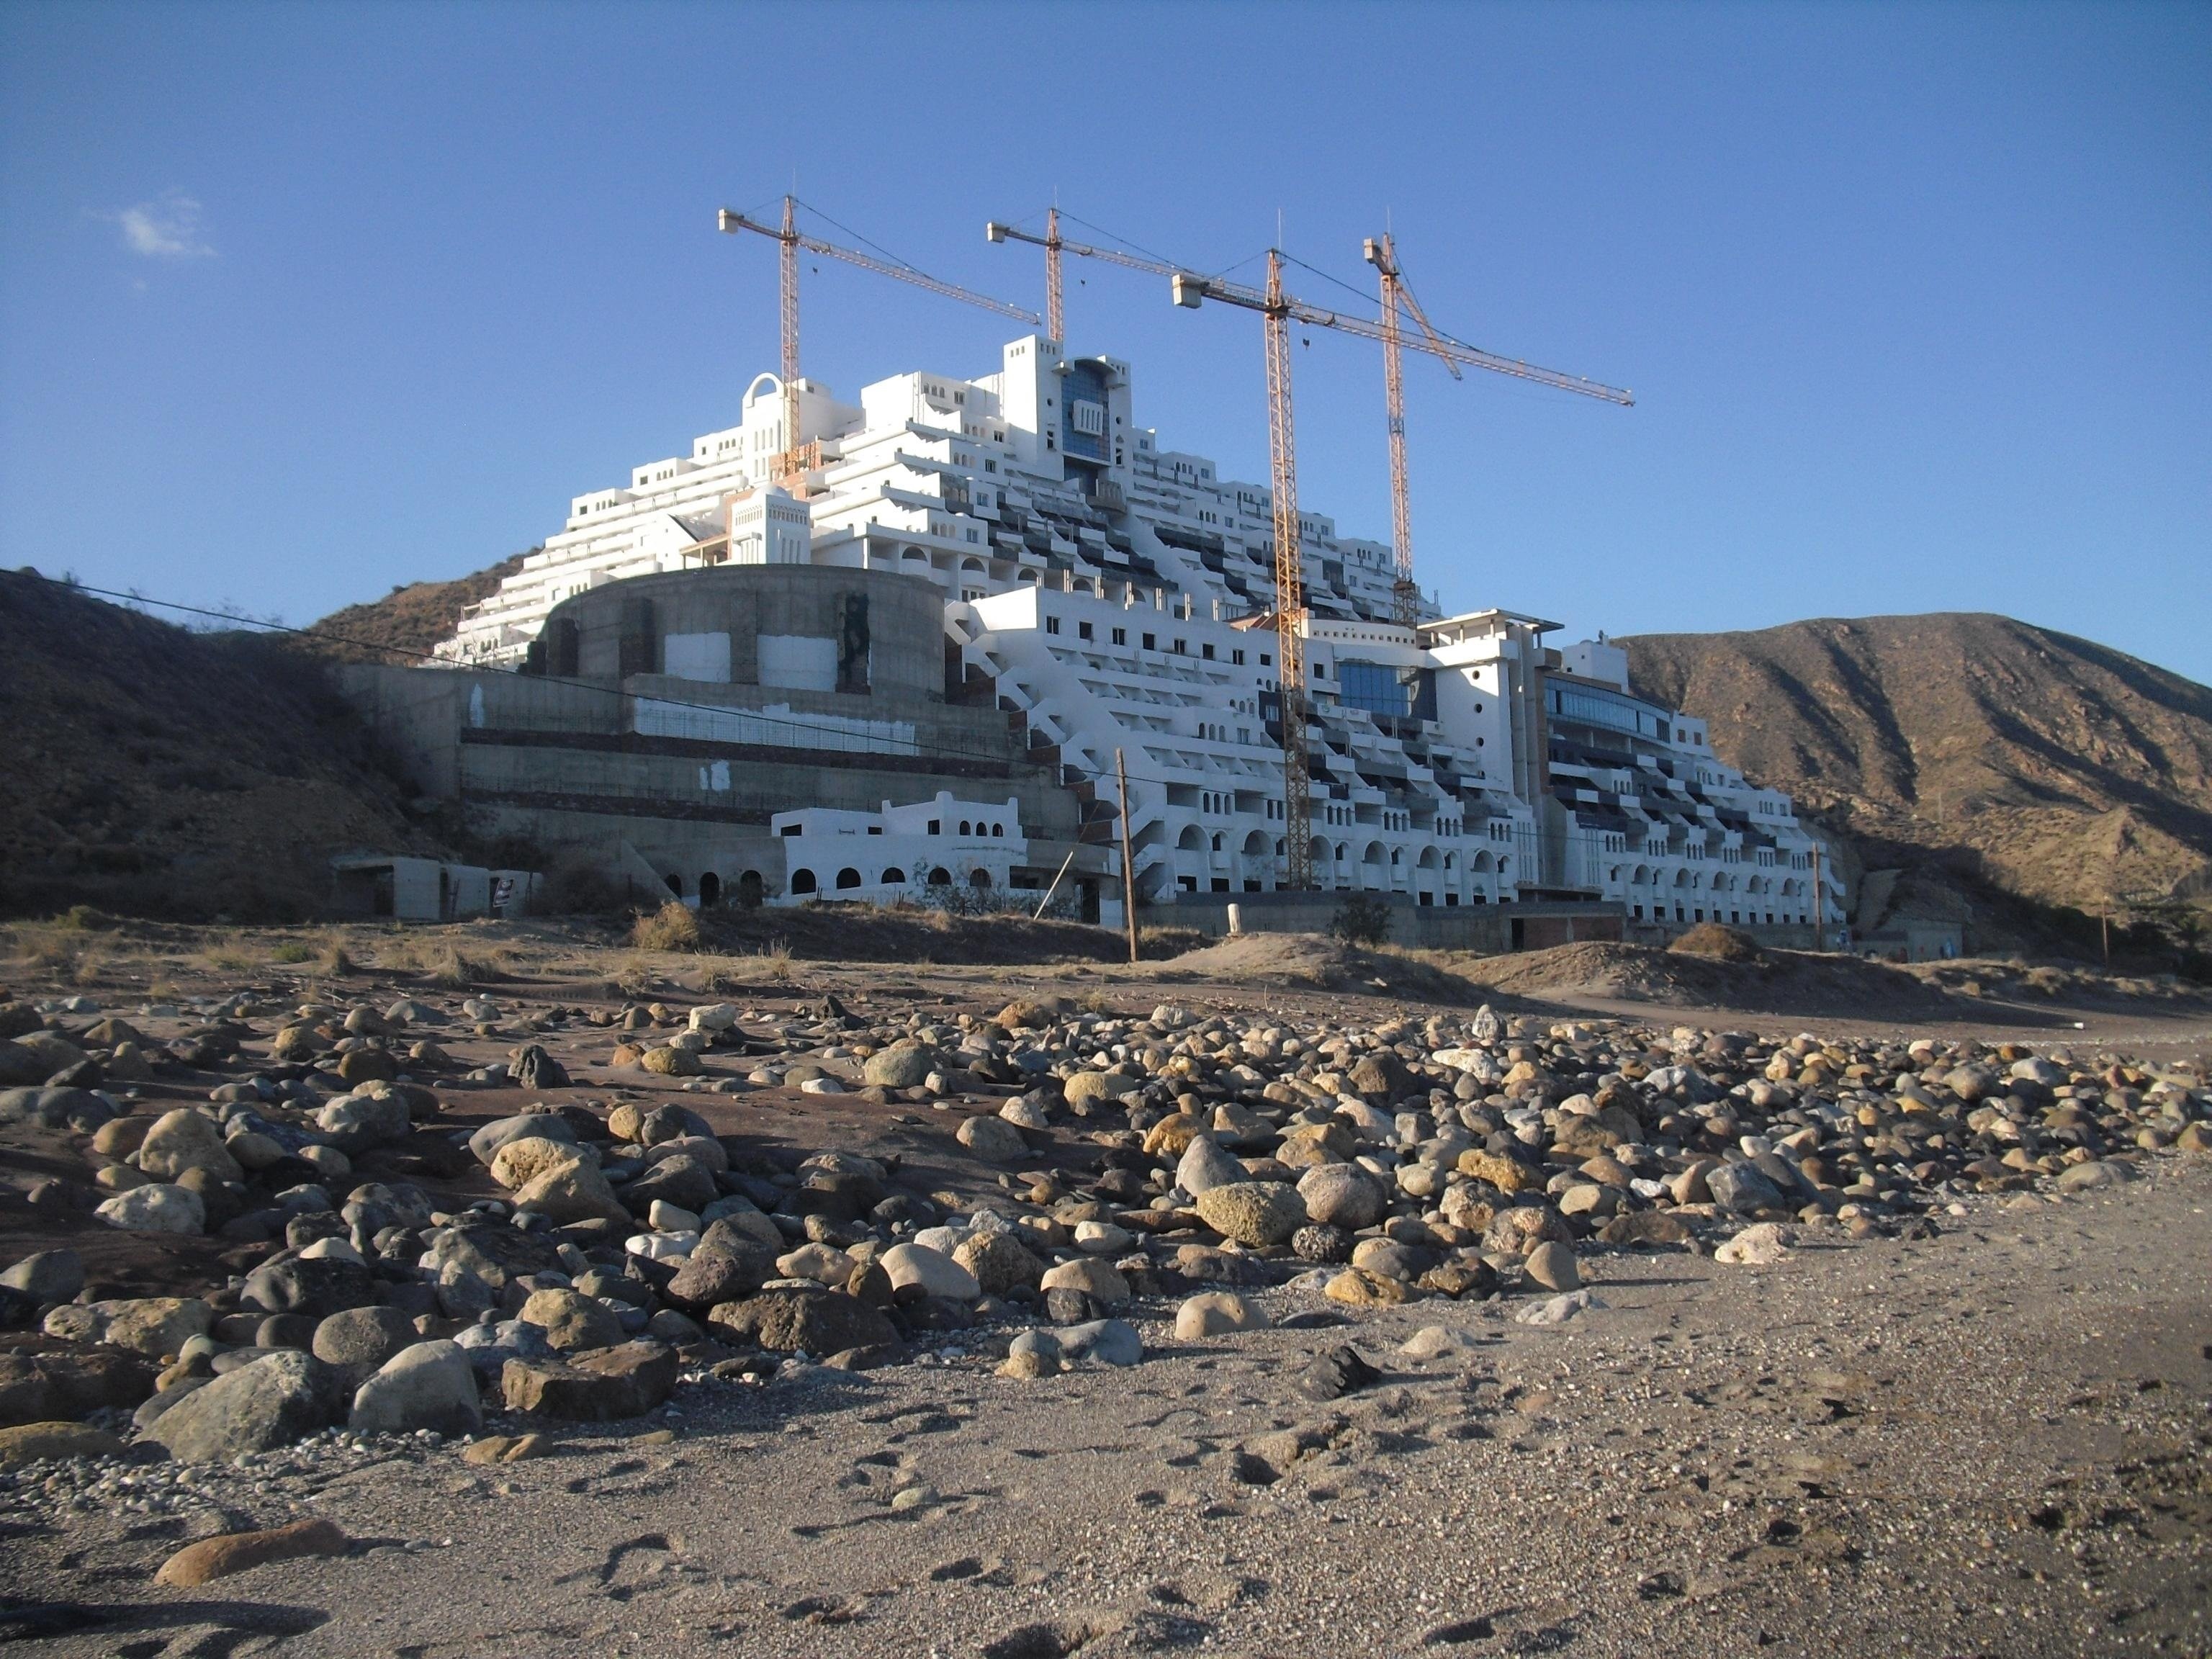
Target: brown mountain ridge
2058,769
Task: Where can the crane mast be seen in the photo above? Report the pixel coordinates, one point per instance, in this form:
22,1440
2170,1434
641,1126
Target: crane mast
1290,589
1056,317
787,260
1405,593
790,238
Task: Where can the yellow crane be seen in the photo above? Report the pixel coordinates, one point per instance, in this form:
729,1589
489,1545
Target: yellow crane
790,240
1278,310
1382,253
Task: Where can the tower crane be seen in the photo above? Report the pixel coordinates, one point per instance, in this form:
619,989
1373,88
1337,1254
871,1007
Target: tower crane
1278,310
790,240
1382,253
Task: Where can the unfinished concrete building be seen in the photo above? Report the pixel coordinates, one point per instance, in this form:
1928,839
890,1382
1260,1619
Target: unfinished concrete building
669,729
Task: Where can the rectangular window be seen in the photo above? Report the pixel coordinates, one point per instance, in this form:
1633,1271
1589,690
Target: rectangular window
1266,661
1052,625
1237,656
1151,643
1206,651
1179,647
1083,631
1121,636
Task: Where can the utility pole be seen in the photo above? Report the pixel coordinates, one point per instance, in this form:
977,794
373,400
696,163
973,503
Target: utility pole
1128,870
1820,903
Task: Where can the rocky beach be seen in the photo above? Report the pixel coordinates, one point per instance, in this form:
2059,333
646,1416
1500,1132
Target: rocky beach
913,1311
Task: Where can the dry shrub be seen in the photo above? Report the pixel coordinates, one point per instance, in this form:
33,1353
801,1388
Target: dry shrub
672,927
1717,941
634,977
289,950
774,960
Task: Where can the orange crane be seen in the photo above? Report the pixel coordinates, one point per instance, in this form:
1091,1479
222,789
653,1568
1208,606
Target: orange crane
1278,311
1382,253
790,240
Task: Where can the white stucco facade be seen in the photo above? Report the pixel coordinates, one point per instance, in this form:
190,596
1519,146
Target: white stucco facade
1109,589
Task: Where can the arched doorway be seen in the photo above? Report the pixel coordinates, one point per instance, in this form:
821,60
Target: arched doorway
710,891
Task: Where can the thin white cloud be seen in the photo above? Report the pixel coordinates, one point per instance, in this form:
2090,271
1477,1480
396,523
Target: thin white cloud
168,227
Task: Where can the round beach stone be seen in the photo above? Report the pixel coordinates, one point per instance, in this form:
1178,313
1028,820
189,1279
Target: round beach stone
1215,1313
1253,1212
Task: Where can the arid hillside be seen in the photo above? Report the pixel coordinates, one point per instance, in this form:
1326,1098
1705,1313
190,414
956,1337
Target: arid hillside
165,772
2072,772
406,621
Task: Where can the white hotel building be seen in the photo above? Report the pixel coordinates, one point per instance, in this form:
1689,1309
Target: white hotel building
1113,591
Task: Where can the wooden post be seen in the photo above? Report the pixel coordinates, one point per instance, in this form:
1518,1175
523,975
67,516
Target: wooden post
2104,928
1128,870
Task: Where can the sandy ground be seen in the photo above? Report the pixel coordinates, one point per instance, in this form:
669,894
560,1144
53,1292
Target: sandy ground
1989,1441
1993,1440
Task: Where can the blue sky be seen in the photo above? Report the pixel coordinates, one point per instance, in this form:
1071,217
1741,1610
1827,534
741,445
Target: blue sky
299,302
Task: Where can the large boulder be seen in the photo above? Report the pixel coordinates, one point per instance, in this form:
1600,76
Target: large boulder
428,1385
1253,1212
356,1123
358,1340
572,1323
683,1181
1743,1188
187,1140
671,1122
992,1138
937,1274
534,1069
791,1320
485,1143
1341,1195
1517,1231
49,1276
158,1207
258,1408
520,1161
155,1326
1215,1313
54,1108
36,1442
603,1387
724,1270
317,1286
999,1261
1089,1088
573,1192
1205,1165
70,1383
1098,1280
21,1069
1383,1076
493,1252
903,1064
